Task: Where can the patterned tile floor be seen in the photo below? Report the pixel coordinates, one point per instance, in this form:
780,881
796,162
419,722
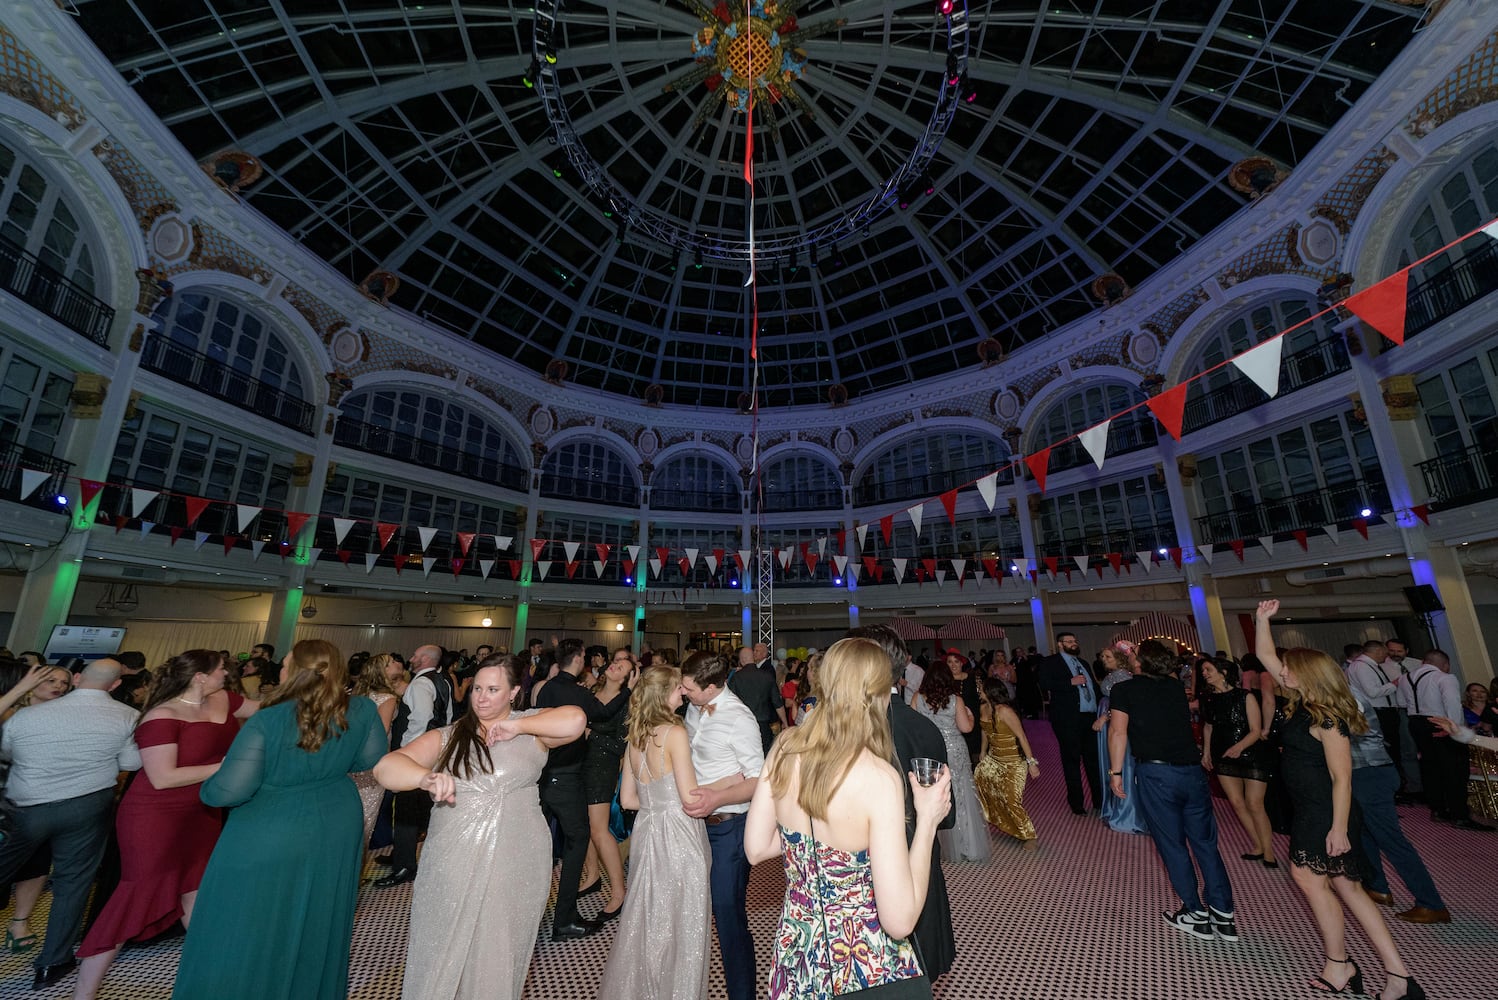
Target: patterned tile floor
1078,918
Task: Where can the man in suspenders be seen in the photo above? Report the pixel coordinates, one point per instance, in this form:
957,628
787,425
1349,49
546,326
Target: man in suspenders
1430,692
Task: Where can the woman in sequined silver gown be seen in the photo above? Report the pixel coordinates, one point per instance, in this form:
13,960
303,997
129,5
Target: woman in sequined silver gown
660,952
485,870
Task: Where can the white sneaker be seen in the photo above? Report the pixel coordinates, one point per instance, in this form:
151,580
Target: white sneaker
1193,922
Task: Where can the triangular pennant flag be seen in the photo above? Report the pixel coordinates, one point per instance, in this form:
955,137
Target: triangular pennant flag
542,568
959,566
502,543
1331,531
1082,562
427,534
840,561
229,542
1052,563
313,556
572,568
988,489
195,508
295,522
628,565
869,562
916,513
662,553
247,513
1267,541
1361,523
400,561
862,531
811,562
991,567
370,558
784,555
465,539
139,498
176,534
386,532
457,564
1146,559
1034,576
1170,408
1491,230
341,526
1023,565
655,567
571,549
941,577
691,557
1099,568
978,576
1205,552
31,481
712,562
146,527
514,565
426,568
684,566
887,527
120,520
1422,511
949,503
821,546
842,539
198,540
899,569
1262,364
742,558
88,489
1115,559
485,565
256,547
1175,555
1095,440
598,567
634,553
1039,463
537,545
1237,546
1383,306
1302,537
344,555
603,549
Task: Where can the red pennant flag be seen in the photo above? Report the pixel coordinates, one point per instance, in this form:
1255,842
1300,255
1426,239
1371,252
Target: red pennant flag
344,555
685,566
537,544
887,527
1115,559
119,522
514,568
663,553
810,558
949,501
386,532
1051,563
1237,546
572,567
1302,538
229,541
284,548
603,549
195,508
928,568
1034,576
87,490
1175,556
1422,511
1039,463
1361,523
465,539
457,565
842,539
400,562
295,521
870,564
1382,306
1170,408
1099,568
879,572
628,566
991,567
739,561
176,534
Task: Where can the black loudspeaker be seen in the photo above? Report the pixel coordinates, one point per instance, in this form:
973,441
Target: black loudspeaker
1423,599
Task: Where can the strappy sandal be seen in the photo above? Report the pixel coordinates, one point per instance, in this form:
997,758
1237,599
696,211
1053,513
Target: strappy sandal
16,945
1353,985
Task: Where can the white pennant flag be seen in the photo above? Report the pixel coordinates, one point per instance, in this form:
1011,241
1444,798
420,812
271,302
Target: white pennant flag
988,489
145,528
1205,551
502,542
31,481
341,526
959,566
427,534
247,514
634,553
1268,542
785,558
1332,531
899,569
841,562
862,530
744,559
915,517
655,566
691,558
712,563
370,558
1095,440
821,546
543,567
1491,230
941,577
1262,364
598,565
979,576
571,549
139,498
198,541
1145,560
313,555
1081,562
257,546
1023,565
485,565
426,567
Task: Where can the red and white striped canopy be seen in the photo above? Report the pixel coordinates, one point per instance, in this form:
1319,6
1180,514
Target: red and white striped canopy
1158,625
911,630
969,627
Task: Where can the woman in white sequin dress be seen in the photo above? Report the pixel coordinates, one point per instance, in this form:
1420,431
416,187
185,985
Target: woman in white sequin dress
940,700
486,868
374,684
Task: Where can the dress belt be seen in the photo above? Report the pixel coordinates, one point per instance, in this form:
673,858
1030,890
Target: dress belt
717,818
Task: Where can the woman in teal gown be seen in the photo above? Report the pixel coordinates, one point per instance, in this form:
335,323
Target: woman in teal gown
275,911
1120,814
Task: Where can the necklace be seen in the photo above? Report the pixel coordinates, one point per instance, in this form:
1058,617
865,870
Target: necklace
186,702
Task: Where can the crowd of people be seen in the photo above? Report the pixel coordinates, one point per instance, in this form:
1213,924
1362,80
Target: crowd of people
160,792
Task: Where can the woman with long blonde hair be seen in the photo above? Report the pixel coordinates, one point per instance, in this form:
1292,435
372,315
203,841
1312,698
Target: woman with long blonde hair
669,855
286,775
833,806
1321,715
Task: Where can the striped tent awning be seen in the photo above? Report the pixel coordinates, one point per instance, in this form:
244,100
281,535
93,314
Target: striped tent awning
1158,625
969,627
911,630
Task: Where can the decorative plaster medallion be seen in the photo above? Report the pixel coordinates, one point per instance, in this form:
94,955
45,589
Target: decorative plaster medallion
347,346
1144,348
171,238
542,422
843,442
649,442
1006,405
1320,243
744,448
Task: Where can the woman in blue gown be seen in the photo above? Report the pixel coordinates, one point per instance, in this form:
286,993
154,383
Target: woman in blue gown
1120,814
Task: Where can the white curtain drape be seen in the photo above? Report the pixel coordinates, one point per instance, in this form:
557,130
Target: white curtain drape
161,640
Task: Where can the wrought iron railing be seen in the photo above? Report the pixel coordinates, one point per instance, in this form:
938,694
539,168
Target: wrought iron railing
1305,367
1452,289
781,501
188,367
1301,512
1122,540
729,501
876,491
1123,437
15,458
594,490
365,437
1462,477
42,287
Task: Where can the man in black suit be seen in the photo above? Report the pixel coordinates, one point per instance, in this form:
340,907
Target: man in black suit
1074,704
915,735
754,684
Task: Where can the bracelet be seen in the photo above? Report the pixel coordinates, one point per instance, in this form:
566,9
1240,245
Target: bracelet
1032,762
1116,774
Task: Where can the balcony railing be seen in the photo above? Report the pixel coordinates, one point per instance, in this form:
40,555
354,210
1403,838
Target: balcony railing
41,287
593,490
1301,512
14,458
782,501
876,491
1305,367
1468,279
1122,439
1466,476
183,365
728,501
1123,540
361,436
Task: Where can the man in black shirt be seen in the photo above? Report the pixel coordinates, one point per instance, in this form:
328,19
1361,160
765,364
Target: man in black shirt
754,684
1150,717
562,793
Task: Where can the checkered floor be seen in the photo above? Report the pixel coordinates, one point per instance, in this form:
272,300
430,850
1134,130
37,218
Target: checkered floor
1079,918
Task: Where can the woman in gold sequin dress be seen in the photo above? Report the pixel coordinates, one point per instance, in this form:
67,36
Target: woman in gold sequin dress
486,869
1001,774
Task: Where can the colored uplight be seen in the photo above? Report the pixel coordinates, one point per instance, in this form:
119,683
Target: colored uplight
629,579
734,582
944,7
1163,552
1366,512
838,582
62,501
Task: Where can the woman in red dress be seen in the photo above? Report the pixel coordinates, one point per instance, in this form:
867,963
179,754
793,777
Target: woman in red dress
165,831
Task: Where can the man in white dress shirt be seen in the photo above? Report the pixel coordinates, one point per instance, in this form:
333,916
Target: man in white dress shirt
728,757
1376,675
1432,691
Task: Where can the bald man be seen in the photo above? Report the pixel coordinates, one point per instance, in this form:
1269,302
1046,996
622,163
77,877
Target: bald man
426,705
65,757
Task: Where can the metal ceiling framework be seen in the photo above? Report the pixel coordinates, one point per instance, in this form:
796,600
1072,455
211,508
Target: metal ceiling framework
399,135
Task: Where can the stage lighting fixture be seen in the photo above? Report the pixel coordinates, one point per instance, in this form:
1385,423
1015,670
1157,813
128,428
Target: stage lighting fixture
697,257
815,254
794,265
551,54
930,184
62,501
621,228
953,76
1366,512
944,7
531,72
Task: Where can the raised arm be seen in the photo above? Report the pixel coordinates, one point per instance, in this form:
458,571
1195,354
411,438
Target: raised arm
902,874
24,686
552,727
1264,640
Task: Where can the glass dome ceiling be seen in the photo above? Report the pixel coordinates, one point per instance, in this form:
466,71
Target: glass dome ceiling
404,137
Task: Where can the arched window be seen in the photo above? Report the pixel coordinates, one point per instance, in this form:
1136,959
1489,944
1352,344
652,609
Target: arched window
426,428
801,482
216,345
33,411
695,482
1461,199
38,220
589,470
1124,516
930,464
1083,409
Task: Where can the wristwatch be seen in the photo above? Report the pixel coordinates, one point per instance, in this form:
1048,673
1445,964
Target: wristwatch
1116,774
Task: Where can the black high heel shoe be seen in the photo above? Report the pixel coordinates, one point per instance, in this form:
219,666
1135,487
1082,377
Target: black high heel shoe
1412,989
597,884
1252,857
1354,982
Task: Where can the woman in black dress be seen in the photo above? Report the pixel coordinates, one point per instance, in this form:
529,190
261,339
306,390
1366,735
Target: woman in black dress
1317,767
606,744
1233,747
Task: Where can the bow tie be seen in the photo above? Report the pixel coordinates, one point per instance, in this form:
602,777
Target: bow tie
709,709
